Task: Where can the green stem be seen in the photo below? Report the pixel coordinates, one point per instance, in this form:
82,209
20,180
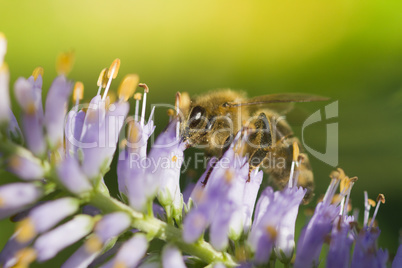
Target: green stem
163,231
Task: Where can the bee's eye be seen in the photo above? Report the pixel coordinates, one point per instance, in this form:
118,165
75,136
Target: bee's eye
196,116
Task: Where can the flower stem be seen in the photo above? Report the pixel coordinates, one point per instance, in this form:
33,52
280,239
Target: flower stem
163,231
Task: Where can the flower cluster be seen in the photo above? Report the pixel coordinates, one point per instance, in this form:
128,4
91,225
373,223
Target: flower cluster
61,199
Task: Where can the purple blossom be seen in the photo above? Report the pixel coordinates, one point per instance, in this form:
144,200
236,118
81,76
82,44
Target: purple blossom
171,257
24,168
107,228
50,243
44,217
130,254
72,177
15,197
56,107
30,100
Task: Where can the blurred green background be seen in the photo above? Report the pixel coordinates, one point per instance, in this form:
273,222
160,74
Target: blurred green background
350,51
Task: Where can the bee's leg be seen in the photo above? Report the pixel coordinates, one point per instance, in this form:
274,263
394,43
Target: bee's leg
259,142
279,157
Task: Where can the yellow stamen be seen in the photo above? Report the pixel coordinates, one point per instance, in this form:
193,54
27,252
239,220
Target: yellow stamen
102,79
31,108
174,158
25,230
2,36
4,68
123,144
296,151
93,244
341,173
36,72
144,86
228,175
381,198
133,132
271,231
334,175
25,257
119,264
111,98
171,112
78,92
65,63
127,86
137,96
336,199
371,202
14,162
114,69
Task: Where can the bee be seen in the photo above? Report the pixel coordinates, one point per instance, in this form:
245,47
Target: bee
211,121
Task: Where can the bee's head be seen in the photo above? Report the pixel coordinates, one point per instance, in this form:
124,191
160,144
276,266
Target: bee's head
196,126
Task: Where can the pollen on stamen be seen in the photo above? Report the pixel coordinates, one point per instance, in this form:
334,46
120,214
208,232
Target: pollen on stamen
25,257
36,72
114,69
4,68
133,132
25,230
93,244
170,112
78,92
127,86
381,198
137,96
119,264
14,162
65,62
228,175
174,158
144,86
296,151
102,79
371,202
271,231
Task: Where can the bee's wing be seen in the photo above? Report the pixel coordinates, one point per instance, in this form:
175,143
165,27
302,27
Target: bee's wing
281,102
278,98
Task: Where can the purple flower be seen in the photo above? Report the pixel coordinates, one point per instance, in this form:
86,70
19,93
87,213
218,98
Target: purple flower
166,158
30,100
50,243
8,255
131,168
398,258
130,254
72,177
171,257
55,110
14,197
313,235
44,217
285,241
73,129
24,168
109,227
249,199
341,242
366,252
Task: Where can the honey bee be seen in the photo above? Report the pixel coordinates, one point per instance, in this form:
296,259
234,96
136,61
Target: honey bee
211,121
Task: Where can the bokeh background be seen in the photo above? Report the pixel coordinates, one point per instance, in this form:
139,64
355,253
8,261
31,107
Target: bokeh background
350,51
